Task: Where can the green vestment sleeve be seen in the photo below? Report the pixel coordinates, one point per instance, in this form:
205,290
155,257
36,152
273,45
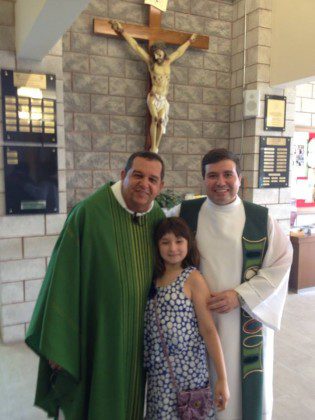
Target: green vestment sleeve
54,329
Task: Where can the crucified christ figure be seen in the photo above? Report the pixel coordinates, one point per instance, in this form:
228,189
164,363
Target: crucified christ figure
159,65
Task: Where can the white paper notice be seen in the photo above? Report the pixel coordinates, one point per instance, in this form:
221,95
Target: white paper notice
159,4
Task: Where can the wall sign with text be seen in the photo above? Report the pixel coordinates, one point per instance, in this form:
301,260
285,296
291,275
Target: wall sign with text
274,162
275,112
159,4
29,107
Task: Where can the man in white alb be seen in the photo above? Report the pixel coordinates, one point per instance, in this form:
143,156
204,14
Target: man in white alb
246,259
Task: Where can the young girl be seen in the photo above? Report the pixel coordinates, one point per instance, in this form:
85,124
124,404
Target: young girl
186,324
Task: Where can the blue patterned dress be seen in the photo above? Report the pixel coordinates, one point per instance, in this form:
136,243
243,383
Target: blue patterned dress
186,348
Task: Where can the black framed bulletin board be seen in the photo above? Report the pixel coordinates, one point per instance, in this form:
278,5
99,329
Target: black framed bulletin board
274,162
31,179
30,139
29,107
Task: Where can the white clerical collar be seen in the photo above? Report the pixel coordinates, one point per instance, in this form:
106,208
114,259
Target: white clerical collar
225,207
116,188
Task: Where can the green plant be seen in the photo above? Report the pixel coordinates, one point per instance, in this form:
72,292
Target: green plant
168,199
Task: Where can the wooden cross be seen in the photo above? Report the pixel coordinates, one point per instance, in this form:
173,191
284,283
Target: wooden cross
152,33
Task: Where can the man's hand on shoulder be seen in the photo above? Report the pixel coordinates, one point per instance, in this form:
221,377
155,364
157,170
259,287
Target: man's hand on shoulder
223,302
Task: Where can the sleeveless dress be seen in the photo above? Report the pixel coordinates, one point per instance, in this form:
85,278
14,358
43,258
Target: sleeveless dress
186,348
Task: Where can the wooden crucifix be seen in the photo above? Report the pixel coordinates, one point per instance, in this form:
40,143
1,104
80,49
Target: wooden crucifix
156,100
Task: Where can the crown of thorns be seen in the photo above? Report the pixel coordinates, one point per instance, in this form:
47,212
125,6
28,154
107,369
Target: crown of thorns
159,45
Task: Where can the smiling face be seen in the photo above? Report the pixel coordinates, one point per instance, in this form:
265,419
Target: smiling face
173,249
222,182
141,184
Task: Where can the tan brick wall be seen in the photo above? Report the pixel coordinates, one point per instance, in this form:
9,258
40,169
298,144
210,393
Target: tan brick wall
105,95
26,241
305,105
245,133
101,89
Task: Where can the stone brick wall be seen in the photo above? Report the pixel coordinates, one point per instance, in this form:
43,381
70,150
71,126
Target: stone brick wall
101,107
26,242
305,109
244,134
105,95
305,105
305,120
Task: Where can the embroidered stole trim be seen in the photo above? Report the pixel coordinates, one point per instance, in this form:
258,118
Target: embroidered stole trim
254,243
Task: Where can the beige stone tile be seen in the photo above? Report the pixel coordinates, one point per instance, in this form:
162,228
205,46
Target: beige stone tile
19,377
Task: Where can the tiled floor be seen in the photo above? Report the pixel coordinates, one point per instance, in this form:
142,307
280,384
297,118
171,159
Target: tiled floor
294,381
18,368
294,369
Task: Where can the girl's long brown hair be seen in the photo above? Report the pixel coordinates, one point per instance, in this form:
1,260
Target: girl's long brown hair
179,228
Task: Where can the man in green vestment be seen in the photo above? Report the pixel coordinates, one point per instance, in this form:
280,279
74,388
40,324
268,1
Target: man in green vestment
88,321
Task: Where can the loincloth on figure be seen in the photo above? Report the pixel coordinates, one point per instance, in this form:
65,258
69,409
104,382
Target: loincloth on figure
161,103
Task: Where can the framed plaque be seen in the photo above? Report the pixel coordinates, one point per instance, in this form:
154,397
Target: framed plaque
275,112
28,107
31,181
274,162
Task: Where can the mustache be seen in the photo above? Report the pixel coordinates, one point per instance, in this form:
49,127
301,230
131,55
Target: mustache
141,189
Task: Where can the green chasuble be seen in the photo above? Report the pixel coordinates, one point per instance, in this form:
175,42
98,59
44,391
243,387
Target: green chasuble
89,314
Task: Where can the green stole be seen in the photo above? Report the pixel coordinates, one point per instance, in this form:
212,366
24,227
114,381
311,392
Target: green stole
90,312
254,243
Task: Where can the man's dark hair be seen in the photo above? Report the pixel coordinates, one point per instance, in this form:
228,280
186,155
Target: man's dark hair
159,45
216,155
145,155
